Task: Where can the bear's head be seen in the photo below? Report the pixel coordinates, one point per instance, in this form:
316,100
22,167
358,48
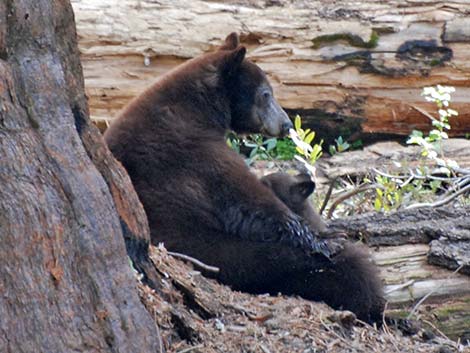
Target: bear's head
294,191
253,107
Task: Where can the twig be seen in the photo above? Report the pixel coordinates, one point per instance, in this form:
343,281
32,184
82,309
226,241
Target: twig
386,329
416,176
194,261
327,196
189,349
464,171
160,340
438,331
421,301
385,326
442,201
401,286
456,186
389,175
432,177
349,194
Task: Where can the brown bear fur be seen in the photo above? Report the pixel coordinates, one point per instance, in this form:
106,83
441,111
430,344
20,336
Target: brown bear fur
199,196
352,281
294,192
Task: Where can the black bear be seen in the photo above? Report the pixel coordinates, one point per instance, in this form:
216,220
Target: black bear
199,196
294,191
351,281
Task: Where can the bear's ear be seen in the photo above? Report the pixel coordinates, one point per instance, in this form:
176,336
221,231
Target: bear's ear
302,188
231,42
233,61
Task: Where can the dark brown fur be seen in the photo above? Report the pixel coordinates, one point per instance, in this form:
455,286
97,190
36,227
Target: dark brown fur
199,196
294,192
351,281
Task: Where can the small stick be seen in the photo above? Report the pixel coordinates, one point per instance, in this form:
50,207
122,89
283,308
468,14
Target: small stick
160,340
457,186
349,194
432,177
401,286
375,170
194,261
189,349
440,202
327,196
438,331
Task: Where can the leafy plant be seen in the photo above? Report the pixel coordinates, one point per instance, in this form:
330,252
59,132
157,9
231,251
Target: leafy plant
389,196
260,148
432,143
308,153
285,149
341,146
233,141
420,183
278,149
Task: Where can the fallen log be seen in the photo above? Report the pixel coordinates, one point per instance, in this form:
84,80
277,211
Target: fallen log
407,246
354,69
389,156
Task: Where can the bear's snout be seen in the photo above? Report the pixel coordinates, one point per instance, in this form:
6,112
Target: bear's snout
285,127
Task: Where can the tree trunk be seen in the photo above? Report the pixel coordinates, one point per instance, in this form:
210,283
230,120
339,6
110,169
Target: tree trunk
350,68
65,204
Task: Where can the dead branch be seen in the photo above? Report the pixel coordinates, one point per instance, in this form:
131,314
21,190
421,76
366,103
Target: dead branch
440,202
195,262
349,194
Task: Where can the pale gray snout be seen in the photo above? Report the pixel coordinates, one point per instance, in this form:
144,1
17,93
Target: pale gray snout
275,120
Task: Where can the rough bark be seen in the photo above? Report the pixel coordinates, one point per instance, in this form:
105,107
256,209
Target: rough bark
66,281
407,245
349,68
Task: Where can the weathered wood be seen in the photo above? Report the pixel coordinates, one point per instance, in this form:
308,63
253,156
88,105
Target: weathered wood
389,157
406,244
447,225
409,277
66,284
350,68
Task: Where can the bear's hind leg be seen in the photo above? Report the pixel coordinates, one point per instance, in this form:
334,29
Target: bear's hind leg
349,282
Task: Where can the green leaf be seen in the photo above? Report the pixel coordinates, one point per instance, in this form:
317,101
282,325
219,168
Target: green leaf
332,150
377,204
309,138
253,152
300,151
270,143
297,122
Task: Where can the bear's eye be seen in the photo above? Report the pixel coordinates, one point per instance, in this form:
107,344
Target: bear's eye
266,94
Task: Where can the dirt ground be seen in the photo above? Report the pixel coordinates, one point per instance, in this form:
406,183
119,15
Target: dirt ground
195,314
